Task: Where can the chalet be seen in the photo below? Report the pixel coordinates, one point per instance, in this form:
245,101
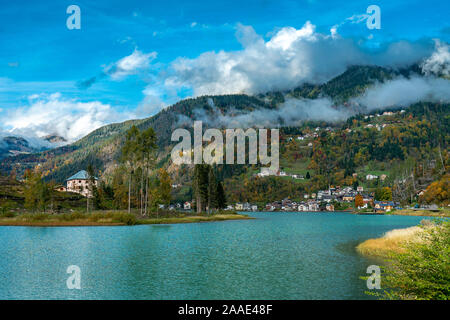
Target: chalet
348,198
383,206
79,183
313,206
303,207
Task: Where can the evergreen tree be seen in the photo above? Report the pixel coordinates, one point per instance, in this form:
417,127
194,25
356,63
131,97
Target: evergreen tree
212,190
200,186
165,186
221,199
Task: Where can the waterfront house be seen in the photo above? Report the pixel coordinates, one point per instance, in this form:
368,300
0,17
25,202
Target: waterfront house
313,206
79,183
239,206
254,207
303,207
187,205
329,207
383,206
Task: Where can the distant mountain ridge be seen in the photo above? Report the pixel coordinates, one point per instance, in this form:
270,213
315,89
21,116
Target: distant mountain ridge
101,147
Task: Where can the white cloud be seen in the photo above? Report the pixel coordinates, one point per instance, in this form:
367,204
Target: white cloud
290,113
439,62
288,59
51,114
132,64
404,92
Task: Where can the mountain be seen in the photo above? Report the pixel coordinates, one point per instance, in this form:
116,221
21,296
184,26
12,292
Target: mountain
12,146
101,147
54,138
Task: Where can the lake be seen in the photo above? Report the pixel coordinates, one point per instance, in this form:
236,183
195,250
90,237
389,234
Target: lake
296,255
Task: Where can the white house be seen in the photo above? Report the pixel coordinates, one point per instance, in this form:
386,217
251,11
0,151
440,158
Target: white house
302,207
371,177
187,206
80,183
265,172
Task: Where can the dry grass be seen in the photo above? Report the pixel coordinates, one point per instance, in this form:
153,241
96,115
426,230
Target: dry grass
391,241
445,212
107,218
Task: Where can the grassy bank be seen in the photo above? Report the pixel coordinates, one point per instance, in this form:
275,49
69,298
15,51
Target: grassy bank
417,261
422,213
393,241
439,213
110,218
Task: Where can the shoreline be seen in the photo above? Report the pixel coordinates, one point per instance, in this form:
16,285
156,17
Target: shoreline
409,212
86,222
392,241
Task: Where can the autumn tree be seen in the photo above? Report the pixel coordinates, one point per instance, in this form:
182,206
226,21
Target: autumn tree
359,202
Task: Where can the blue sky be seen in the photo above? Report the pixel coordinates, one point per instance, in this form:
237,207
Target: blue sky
40,57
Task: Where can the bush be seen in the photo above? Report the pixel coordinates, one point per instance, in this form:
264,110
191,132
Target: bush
127,218
423,270
7,214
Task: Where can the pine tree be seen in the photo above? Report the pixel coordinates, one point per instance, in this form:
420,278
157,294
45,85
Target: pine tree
212,190
165,186
221,199
200,186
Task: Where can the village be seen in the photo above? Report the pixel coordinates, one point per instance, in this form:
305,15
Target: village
324,200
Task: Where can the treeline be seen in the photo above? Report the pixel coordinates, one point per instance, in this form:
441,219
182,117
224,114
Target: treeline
209,193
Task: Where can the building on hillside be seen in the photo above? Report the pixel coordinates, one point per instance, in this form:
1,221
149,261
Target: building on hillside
265,172
359,188
371,177
79,183
329,207
187,205
348,198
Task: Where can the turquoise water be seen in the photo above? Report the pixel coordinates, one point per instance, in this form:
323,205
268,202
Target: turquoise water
276,256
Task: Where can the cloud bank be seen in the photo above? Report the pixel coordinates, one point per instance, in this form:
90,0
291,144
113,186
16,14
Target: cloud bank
52,114
288,59
404,92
